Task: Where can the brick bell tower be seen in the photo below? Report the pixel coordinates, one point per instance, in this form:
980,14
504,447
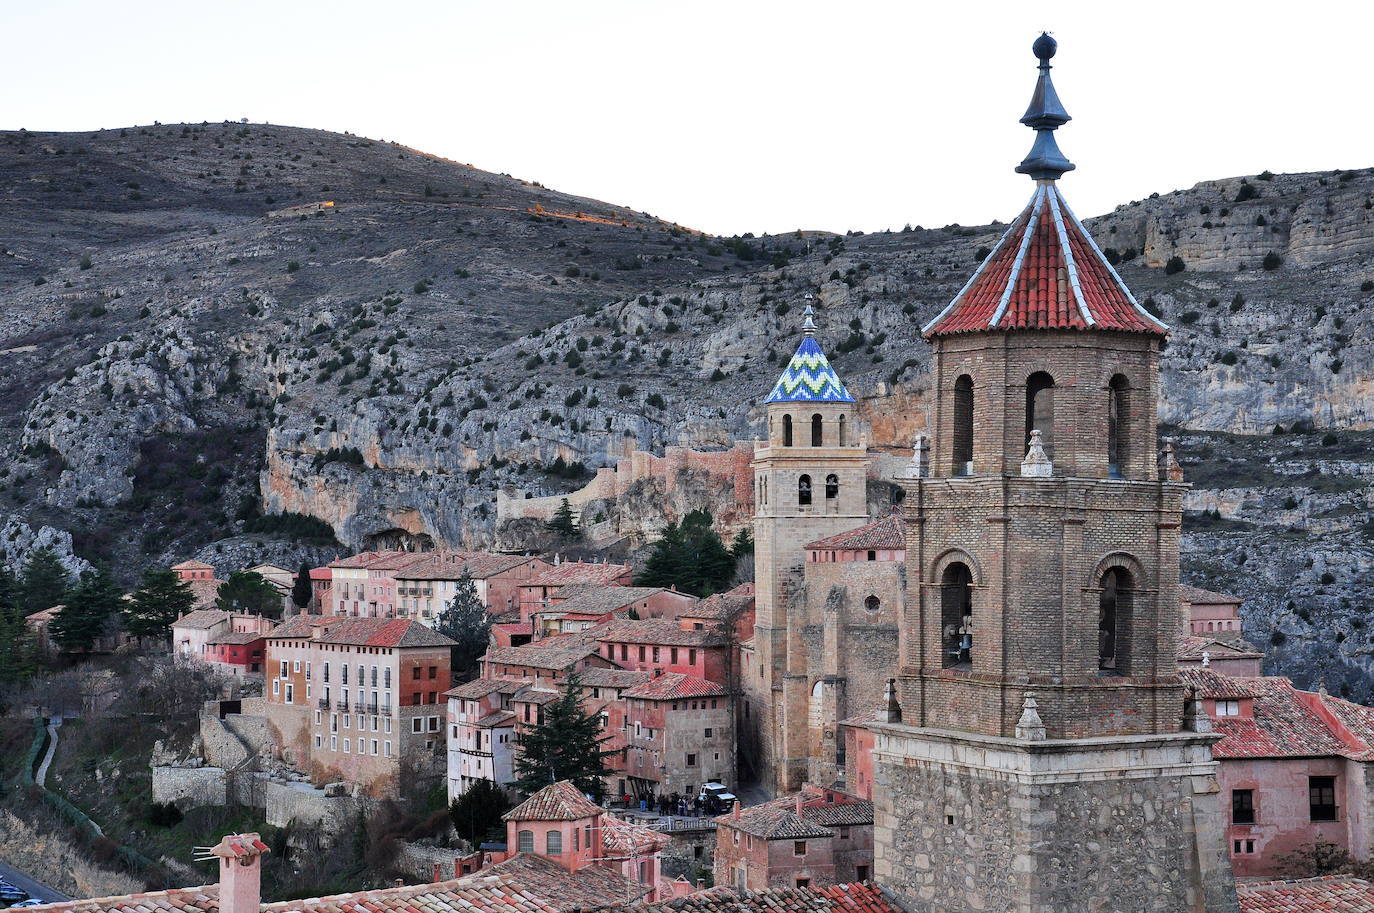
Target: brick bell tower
810,480
1037,757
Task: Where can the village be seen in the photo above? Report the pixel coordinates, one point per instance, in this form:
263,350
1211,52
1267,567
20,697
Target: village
953,673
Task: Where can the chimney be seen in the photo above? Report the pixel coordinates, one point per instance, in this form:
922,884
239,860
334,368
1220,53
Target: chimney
799,805
240,872
438,873
734,814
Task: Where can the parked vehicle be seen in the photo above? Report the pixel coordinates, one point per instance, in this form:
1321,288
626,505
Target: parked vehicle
716,797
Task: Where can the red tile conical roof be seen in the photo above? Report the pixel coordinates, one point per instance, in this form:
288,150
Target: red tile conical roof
1046,273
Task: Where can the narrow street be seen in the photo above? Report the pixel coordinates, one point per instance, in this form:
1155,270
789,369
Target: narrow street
34,888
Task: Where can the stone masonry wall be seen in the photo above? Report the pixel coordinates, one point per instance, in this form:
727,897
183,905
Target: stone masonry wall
190,786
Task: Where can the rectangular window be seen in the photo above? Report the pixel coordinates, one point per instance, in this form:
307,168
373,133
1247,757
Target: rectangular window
307,671
799,848
691,657
672,655
319,718
333,743
1321,793
348,721
641,653
655,654
386,677
1228,708
691,760
434,724
374,746
708,732
347,746
803,882
374,681
1242,806
326,671
344,673
387,728
276,687
417,724
433,672
284,673
319,740
386,749
415,674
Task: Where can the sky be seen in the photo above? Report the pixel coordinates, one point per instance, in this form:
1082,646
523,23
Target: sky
740,116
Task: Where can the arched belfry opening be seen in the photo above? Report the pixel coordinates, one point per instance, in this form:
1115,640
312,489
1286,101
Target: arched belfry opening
787,431
1118,401
817,430
804,490
956,614
1114,617
843,442
832,487
1040,410
962,436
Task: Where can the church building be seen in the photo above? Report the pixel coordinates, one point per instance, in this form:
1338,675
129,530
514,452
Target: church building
1040,752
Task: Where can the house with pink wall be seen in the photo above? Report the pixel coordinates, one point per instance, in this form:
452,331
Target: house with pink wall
1293,768
812,838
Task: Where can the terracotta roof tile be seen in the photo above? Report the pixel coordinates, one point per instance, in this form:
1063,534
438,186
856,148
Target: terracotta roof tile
1191,647
840,898
1284,726
201,619
1325,894
1196,596
479,688
1210,684
452,565
534,656
590,888
1045,273
361,632
600,600
612,678
193,565
887,533
674,686
579,572
561,801
777,819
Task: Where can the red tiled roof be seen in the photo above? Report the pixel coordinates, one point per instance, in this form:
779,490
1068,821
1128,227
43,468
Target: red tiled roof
237,637
666,632
480,893
1221,687
1358,721
674,686
839,898
621,838
561,801
1196,596
1325,894
612,678
1283,727
579,572
361,632
592,887
1191,647
321,573
193,565
479,688
777,819
201,619
887,533
600,600
557,657
1045,273
451,566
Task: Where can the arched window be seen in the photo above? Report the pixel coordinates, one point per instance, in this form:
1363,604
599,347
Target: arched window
1040,410
553,843
787,431
817,433
956,614
525,841
963,426
841,423
832,487
872,603
1114,622
804,490
1117,394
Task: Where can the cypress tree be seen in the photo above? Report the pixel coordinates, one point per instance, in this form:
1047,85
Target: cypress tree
563,521
301,592
19,658
565,746
691,557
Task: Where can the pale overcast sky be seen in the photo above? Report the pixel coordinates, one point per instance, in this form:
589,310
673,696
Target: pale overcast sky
735,116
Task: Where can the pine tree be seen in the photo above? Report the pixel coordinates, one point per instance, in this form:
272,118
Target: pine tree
161,598
691,557
565,746
246,591
466,622
19,658
743,544
86,615
43,582
477,812
302,592
563,521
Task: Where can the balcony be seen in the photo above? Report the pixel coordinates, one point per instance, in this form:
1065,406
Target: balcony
341,706
358,706
324,703
372,709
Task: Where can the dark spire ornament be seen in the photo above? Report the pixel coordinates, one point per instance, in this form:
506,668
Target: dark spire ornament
1045,115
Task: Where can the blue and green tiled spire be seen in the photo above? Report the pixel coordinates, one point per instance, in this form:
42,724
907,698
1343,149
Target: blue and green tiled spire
809,378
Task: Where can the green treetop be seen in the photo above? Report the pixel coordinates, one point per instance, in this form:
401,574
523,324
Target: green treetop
91,606
563,521
43,583
691,557
465,621
566,745
160,599
246,591
301,592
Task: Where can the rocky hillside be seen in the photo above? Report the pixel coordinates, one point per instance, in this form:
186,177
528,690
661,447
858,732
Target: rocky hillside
207,327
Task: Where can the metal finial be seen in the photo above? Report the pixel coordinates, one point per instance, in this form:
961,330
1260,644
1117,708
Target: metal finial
1045,115
809,321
